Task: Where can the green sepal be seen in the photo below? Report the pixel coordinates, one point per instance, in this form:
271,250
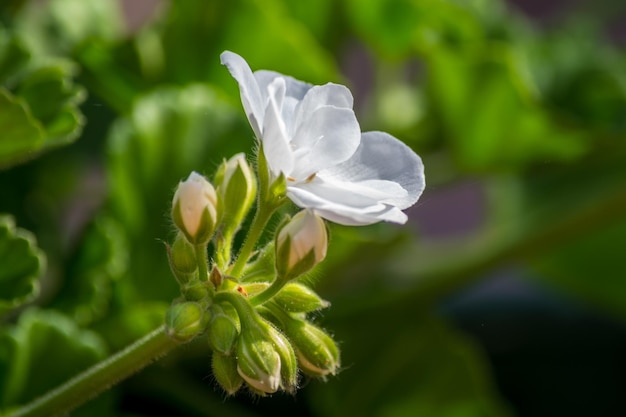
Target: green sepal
271,193
237,190
317,353
289,365
258,362
224,328
225,372
182,259
298,298
186,320
304,265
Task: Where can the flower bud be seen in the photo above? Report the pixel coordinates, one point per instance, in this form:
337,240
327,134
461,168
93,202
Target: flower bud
288,362
317,352
194,209
224,328
185,320
300,244
236,185
225,372
182,259
298,298
258,362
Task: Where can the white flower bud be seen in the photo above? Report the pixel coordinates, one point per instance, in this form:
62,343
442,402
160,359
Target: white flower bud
194,208
301,244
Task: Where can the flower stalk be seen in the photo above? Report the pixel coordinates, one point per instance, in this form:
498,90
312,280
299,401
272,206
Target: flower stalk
100,377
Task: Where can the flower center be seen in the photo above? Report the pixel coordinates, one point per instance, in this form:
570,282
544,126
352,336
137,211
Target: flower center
306,180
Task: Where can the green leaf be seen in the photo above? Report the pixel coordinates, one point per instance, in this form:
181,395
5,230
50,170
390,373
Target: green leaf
43,350
53,100
396,27
588,266
13,55
38,103
57,27
401,367
590,269
22,263
491,114
87,288
22,134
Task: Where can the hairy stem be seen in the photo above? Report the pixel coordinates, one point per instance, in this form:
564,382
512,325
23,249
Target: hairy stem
100,377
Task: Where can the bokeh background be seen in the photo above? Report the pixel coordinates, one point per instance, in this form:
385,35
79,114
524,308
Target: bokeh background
504,295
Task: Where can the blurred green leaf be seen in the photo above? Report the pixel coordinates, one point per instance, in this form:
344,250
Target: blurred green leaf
590,269
87,287
169,133
135,321
41,351
13,55
22,264
588,266
54,101
405,363
491,114
57,27
23,134
38,103
397,27
580,75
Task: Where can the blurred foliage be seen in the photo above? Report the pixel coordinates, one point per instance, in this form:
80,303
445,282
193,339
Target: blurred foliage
22,263
534,117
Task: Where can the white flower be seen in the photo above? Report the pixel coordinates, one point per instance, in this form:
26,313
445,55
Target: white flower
311,135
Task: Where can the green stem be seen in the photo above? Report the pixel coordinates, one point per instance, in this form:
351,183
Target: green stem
268,293
223,253
100,377
203,261
247,313
261,217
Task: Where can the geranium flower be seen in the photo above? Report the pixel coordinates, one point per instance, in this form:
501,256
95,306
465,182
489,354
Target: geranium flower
311,135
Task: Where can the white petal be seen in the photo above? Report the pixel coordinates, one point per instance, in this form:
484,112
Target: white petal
323,95
381,156
294,92
326,137
346,204
252,97
294,88
275,141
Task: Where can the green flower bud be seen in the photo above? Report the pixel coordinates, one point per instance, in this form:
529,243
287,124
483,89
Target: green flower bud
317,352
236,185
194,209
298,298
288,362
225,372
224,328
185,320
258,362
300,244
182,259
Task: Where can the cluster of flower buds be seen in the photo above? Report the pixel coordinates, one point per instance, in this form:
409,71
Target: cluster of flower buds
251,309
